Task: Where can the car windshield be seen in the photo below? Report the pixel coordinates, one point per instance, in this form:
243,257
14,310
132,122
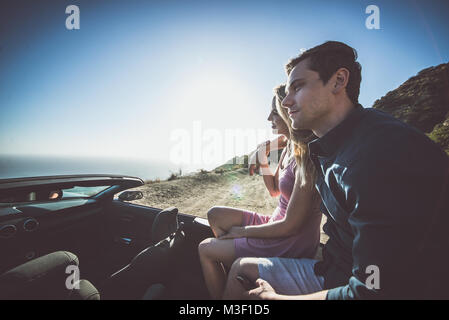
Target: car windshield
53,194
83,192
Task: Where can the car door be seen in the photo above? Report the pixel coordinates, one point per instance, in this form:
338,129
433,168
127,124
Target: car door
32,225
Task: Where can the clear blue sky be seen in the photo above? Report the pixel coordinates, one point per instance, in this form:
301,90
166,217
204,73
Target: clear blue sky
137,71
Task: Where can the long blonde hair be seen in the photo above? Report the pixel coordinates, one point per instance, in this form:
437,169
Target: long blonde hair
299,140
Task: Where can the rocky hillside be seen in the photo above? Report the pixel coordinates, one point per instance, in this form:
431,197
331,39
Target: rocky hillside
423,101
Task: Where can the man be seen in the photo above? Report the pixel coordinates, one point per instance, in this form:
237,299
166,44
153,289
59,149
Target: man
384,191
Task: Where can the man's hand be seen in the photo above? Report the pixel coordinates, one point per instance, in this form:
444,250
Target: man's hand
263,291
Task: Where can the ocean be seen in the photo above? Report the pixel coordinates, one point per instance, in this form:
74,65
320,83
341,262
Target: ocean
15,166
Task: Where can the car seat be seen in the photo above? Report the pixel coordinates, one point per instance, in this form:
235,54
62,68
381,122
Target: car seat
44,278
152,265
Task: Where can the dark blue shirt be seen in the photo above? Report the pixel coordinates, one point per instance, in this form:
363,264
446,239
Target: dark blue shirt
384,190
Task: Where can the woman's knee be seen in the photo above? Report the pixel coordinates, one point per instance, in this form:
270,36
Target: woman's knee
236,267
214,214
217,250
205,247
224,217
247,267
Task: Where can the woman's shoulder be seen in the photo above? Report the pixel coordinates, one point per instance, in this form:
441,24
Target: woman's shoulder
282,157
289,164
291,159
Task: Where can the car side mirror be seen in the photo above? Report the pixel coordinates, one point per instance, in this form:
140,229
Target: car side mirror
130,195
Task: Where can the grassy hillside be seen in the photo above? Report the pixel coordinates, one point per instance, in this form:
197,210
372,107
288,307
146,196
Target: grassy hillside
422,101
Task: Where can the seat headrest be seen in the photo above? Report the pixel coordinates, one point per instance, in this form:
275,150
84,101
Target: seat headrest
165,224
41,278
86,291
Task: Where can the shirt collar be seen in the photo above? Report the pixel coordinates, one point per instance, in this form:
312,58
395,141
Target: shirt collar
328,144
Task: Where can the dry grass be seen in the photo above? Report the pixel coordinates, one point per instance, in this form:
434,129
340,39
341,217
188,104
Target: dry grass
195,194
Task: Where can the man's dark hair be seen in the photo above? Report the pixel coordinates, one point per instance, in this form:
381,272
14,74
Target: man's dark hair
327,58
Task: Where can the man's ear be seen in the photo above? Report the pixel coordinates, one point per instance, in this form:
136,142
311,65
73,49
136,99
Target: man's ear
340,80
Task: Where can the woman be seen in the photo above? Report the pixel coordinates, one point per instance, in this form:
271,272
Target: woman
292,231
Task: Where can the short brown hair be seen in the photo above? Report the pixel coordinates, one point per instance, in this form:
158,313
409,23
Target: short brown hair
327,58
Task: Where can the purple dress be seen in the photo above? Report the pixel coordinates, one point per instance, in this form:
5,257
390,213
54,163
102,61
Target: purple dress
301,245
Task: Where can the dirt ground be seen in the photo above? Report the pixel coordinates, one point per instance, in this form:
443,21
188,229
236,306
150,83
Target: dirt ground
195,194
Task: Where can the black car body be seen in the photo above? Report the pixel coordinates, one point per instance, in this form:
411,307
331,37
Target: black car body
104,232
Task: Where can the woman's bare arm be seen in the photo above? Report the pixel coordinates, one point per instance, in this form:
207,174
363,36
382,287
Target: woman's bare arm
272,180
260,159
300,206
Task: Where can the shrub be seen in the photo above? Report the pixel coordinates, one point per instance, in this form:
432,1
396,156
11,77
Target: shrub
175,175
440,135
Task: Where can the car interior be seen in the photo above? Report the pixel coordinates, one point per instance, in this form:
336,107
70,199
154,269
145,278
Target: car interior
123,250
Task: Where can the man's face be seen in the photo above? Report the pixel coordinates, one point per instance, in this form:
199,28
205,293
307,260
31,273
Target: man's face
307,100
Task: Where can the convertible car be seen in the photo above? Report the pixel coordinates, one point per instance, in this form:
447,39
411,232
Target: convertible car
121,250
